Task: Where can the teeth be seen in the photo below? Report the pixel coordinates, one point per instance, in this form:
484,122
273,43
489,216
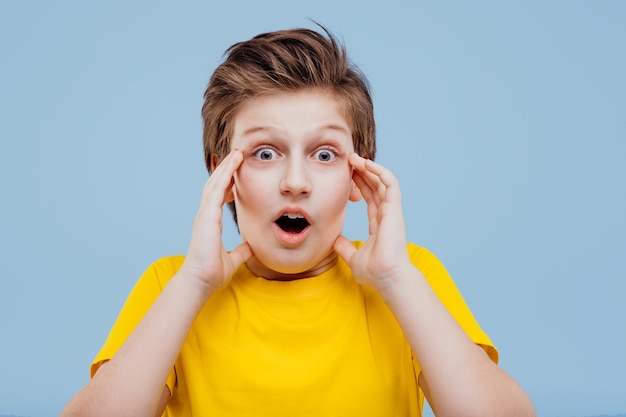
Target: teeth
294,215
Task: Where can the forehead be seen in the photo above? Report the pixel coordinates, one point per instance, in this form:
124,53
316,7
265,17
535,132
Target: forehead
299,109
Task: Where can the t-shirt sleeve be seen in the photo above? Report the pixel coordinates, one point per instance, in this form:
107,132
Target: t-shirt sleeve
143,295
445,288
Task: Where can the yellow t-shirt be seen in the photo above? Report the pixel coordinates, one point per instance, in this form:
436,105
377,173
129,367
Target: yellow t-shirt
321,346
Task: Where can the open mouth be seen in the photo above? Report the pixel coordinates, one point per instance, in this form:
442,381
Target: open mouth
292,223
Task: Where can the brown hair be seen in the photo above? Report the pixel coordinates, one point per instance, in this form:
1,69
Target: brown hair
283,61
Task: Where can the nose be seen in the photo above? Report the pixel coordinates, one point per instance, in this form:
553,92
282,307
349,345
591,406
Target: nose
296,179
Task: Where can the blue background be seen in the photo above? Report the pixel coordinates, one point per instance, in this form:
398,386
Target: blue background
504,121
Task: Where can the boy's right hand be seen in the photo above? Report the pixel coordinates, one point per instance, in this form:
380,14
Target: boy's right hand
207,260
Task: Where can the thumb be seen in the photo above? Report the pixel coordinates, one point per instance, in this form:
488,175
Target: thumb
344,248
240,254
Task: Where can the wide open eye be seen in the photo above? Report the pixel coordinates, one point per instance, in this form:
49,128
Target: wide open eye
324,155
265,154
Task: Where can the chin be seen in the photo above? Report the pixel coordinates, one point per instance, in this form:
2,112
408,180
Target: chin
291,264
290,268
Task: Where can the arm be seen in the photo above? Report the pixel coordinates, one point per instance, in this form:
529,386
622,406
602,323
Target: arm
457,376
132,383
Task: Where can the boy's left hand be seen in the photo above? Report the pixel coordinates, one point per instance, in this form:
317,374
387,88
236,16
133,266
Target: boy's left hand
383,257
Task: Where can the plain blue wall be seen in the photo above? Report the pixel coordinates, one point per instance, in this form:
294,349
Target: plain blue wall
504,122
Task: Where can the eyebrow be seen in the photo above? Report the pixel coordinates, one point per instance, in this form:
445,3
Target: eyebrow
270,129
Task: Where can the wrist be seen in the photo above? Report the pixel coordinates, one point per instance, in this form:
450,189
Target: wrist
395,280
197,281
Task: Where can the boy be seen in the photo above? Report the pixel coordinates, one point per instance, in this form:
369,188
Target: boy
296,320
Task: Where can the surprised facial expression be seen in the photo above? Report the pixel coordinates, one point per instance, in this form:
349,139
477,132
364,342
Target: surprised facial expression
292,189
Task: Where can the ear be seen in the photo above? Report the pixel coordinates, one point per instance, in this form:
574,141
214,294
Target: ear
355,193
215,160
230,197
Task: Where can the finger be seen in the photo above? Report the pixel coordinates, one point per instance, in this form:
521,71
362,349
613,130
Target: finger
371,201
228,165
386,177
370,178
344,248
366,191
240,254
391,207
386,194
219,185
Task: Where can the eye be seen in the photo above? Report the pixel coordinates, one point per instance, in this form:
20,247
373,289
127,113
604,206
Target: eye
265,154
324,155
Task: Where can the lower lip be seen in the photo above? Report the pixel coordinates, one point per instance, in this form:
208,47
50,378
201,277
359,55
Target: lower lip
291,239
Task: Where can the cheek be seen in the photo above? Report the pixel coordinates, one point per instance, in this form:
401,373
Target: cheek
336,190
340,183
248,185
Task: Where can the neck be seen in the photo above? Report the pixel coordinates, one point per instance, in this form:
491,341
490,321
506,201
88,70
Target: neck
261,270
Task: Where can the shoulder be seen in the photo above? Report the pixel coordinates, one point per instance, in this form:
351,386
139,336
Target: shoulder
163,269
169,263
421,257
426,261
419,253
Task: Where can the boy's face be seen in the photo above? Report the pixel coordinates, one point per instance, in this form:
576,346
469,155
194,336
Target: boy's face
292,188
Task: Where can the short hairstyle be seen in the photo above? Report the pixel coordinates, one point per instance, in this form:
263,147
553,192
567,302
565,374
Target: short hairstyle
284,61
